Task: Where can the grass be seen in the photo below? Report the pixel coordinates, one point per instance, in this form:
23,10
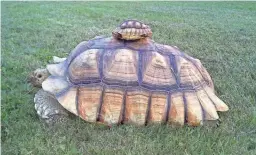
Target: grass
220,34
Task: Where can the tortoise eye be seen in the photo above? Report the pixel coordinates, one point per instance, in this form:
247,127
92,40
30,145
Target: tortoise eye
39,75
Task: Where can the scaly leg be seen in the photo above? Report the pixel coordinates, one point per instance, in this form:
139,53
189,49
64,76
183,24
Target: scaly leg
48,108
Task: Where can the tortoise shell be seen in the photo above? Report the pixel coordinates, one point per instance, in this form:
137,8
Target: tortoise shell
114,81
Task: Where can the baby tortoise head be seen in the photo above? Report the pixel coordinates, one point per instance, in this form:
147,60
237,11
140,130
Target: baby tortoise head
132,30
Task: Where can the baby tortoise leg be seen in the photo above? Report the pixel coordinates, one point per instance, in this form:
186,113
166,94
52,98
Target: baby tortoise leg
49,109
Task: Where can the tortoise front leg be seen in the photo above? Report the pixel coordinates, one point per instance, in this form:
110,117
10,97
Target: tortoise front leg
48,108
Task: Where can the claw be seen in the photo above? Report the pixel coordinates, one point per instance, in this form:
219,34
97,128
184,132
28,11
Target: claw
36,106
38,112
56,111
47,112
45,107
44,116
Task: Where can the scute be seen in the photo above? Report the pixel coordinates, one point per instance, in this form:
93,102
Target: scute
85,66
133,24
177,110
157,71
202,70
89,101
158,108
188,74
68,100
136,106
120,67
194,109
112,106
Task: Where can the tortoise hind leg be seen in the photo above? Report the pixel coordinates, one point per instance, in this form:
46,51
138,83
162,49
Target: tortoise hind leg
49,109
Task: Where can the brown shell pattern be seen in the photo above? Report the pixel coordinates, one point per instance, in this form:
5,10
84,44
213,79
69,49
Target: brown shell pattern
114,81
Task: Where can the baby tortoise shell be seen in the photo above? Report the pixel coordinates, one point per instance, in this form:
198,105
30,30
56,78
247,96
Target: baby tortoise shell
118,80
132,30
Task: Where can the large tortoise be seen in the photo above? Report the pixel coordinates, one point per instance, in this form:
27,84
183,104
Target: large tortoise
127,78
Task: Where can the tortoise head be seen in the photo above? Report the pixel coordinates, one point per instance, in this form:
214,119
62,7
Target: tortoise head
37,77
132,30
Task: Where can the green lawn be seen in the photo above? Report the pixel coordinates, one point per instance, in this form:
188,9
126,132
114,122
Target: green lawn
221,34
